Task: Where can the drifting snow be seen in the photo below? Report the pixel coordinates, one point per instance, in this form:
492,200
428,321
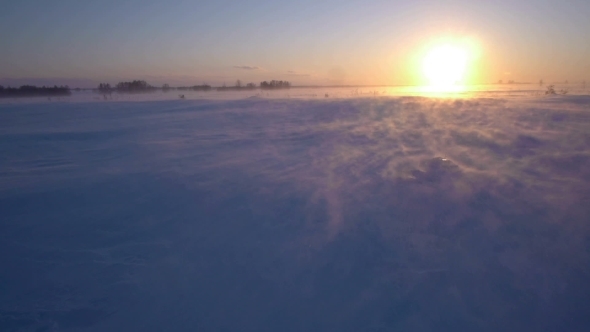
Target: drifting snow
370,214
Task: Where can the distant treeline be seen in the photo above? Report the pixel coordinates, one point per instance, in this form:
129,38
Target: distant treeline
238,86
203,87
275,85
263,85
133,86
34,91
143,86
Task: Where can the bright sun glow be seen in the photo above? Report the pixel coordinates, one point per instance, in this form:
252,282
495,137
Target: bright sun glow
445,66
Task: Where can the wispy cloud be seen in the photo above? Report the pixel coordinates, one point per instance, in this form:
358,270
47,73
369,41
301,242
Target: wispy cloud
248,67
294,73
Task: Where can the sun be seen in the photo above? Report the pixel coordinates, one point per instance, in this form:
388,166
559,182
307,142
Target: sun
445,66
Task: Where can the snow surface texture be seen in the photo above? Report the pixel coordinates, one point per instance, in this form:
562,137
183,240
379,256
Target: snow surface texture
372,214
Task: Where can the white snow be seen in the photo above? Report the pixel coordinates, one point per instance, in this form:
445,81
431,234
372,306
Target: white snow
295,212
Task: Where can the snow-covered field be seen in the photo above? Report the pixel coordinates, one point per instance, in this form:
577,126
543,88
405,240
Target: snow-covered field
308,213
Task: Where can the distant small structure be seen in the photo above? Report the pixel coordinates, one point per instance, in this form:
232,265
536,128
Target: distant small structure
551,91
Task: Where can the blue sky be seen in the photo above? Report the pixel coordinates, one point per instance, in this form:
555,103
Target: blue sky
306,42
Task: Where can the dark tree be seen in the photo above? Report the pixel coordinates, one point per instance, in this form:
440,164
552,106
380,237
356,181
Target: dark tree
202,87
104,87
134,86
33,91
275,85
